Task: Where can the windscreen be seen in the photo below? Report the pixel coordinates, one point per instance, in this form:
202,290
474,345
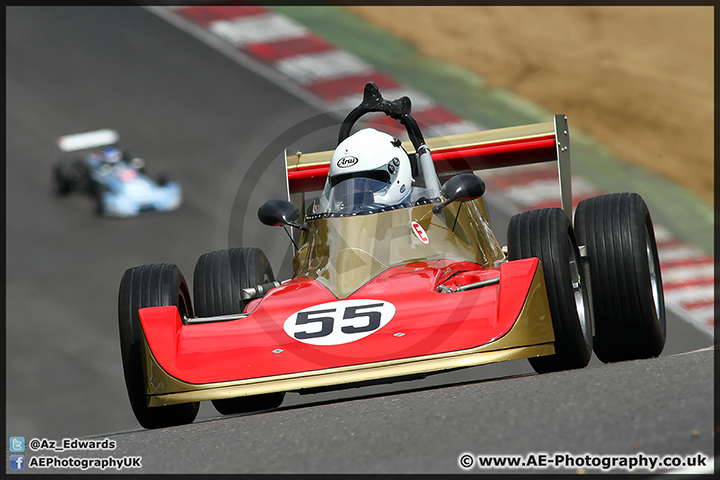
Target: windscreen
343,251
360,195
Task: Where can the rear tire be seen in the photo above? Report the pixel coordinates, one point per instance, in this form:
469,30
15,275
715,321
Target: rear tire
218,278
625,271
70,175
61,183
153,285
548,235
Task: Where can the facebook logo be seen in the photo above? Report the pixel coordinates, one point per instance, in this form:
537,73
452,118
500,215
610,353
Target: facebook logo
17,444
17,462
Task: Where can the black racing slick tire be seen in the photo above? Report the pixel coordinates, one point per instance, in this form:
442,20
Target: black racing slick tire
218,279
252,403
152,285
162,179
99,201
626,284
548,235
62,185
69,176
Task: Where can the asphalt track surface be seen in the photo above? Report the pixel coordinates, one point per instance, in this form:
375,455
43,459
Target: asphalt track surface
208,121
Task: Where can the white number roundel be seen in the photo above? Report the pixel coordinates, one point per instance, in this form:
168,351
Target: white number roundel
335,323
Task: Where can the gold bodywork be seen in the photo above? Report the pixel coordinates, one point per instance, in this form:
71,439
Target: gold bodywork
530,336
344,253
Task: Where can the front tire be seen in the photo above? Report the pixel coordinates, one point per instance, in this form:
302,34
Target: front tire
218,279
163,179
548,235
153,285
625,272
100,206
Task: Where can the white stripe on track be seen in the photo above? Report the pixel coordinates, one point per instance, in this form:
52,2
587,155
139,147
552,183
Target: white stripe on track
688,273
534,192
662,234
690,294
673,253
540,191
707,313
451,129
315,67
257,28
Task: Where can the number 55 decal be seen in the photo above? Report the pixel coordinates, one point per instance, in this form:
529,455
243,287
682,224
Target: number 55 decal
338,322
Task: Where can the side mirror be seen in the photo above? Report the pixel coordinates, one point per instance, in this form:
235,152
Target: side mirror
279,212
461,188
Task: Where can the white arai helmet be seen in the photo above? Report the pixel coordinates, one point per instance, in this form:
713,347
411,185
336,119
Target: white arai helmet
369,153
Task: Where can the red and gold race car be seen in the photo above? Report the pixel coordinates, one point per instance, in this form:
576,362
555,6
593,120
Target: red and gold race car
397,275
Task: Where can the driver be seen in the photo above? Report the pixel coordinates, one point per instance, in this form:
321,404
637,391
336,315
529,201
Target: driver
107,156
370,154
111,155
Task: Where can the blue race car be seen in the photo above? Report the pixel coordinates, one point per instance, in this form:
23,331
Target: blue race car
116,179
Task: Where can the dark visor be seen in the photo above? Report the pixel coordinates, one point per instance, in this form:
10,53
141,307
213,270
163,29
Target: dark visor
380,175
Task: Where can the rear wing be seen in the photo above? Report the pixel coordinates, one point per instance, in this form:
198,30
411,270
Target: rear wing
454,154
86,140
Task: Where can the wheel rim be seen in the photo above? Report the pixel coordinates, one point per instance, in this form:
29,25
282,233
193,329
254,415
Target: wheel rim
653,270
577,286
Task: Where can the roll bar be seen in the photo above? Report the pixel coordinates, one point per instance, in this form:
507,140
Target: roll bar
399,110
374,102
